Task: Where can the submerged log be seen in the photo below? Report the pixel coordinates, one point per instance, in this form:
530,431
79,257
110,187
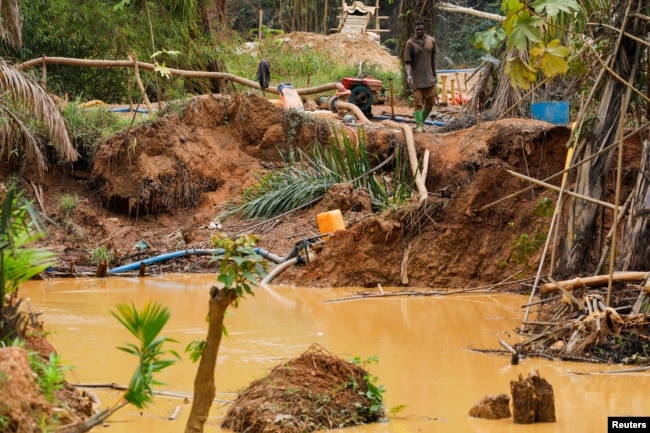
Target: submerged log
532,400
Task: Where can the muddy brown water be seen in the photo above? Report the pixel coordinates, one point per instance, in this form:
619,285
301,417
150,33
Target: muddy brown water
423,345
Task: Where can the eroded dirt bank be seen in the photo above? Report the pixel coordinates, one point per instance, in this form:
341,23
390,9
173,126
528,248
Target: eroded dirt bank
164,182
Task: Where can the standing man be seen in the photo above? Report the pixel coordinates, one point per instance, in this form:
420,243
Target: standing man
420,65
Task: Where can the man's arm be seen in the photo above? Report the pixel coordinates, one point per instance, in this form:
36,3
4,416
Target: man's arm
433,57
409,78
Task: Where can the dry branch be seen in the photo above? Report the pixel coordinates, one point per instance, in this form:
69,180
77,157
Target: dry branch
177,72
594,281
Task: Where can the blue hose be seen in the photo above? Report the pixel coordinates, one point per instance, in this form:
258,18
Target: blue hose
182,253
164,257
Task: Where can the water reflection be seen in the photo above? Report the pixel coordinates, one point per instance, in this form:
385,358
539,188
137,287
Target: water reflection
423,345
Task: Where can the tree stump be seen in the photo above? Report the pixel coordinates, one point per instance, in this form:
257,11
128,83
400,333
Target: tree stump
532,400
102,270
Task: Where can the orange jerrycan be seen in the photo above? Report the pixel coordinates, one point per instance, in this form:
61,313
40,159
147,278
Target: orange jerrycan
329,222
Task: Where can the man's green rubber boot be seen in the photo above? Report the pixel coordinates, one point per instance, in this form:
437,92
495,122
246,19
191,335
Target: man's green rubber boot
425,114
419,122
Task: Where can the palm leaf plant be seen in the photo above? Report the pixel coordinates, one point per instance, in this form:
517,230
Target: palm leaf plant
145,325
19,225
306,177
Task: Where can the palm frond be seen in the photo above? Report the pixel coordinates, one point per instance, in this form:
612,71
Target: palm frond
12,22
145,325
15,135
304,178
33,97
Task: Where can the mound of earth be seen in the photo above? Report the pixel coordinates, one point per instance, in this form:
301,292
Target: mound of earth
314,391
345,48
20,414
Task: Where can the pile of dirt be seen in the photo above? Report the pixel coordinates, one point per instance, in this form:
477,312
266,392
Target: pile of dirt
25,413
345,48
314,391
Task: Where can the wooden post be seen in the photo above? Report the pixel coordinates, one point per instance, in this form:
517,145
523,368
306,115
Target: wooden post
44,74
102,269
453,92
139,83
259,27
392,106
444,89
377,29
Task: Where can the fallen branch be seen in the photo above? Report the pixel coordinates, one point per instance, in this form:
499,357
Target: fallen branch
594,281
175,413
383,295
123,388
629,370
558,189
172,71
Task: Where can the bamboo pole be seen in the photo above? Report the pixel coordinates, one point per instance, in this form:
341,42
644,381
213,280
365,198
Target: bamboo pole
44,73
392,101
617,198
560,205
453,92
577,164
556,216
138,81
555,188
621,215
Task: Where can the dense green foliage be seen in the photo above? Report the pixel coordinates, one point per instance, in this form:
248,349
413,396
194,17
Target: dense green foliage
96,29
454,32
19,225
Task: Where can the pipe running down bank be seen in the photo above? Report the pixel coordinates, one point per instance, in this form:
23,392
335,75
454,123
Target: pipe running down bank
413,157
165,257
189,252
282,263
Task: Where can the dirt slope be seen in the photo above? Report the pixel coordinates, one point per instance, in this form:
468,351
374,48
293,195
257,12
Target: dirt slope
163,183
166,181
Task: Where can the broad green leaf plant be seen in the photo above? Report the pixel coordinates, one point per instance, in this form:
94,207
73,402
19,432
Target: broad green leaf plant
534,32
19,225
146,326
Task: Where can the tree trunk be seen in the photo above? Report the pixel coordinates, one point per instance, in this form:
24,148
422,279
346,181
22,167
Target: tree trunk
216,12
579,242
204,388
635,252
